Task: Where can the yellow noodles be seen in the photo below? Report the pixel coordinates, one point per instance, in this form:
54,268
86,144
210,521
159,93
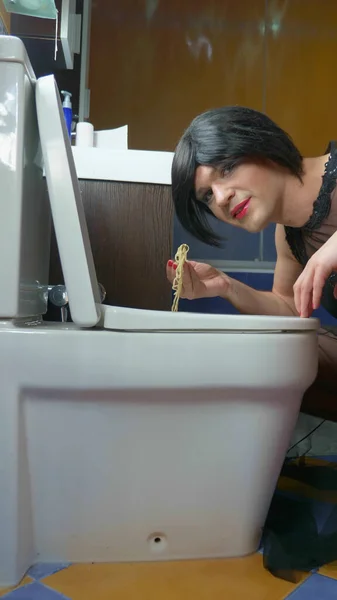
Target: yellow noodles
180,258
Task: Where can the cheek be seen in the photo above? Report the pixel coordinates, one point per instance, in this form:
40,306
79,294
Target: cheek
221,217
251,179
217,212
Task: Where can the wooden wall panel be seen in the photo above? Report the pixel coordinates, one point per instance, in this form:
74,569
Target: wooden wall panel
156,64
301,86
5,16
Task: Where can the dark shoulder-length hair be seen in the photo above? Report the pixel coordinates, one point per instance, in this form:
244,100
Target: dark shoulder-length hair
224,138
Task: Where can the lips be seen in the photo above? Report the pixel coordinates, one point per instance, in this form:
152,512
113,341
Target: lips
240,210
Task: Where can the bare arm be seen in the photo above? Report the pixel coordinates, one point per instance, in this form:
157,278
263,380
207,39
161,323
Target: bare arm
280,301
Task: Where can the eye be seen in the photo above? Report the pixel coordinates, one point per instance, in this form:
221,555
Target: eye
207,199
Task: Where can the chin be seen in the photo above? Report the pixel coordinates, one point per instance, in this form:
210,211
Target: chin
254,227
251,224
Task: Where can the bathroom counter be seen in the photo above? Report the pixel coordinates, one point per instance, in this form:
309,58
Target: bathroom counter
137,166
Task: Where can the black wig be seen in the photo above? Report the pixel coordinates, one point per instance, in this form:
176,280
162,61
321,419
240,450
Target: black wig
224,138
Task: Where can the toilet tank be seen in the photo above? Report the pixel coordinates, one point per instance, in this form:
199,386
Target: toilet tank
25,221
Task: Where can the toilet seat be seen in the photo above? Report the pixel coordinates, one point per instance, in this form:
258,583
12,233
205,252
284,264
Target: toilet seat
76,255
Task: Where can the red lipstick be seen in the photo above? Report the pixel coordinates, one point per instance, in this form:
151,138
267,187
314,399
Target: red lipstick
240,210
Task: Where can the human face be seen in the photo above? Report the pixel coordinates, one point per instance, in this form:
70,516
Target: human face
248,196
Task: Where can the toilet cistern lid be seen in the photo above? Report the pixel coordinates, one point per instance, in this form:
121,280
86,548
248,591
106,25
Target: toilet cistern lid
66,206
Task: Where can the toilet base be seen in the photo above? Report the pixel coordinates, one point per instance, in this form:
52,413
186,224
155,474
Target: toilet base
100,464
114,476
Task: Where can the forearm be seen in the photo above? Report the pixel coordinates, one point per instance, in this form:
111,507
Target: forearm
255,302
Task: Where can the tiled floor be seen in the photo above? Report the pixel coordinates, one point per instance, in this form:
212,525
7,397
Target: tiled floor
238,579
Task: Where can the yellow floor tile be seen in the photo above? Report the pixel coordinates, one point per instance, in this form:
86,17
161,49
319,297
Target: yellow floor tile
329,570
23,582
235,579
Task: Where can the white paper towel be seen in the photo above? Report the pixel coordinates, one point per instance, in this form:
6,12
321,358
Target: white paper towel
112,139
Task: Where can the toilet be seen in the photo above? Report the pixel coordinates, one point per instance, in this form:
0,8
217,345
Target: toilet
125,435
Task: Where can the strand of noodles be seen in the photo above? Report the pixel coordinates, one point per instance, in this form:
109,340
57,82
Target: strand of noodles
180,258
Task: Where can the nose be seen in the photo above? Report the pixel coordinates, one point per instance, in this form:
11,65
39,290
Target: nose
222,194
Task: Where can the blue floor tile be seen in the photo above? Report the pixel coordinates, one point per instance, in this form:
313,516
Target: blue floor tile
41,570
316,587
34,591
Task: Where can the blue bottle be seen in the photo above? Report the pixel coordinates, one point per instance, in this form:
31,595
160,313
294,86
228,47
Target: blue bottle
67,110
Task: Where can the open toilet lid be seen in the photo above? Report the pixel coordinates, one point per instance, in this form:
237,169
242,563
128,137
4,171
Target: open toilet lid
66,206
75,249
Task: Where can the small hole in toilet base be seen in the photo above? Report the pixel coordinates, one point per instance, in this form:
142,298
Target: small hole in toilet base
157,542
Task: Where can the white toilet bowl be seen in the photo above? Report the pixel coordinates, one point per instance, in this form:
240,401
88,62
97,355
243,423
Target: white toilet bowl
126,435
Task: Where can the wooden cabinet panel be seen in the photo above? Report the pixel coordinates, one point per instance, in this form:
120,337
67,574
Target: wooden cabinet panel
130,227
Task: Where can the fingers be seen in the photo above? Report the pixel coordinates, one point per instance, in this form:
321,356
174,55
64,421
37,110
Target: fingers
187,289
308,289
303,294
191,282
306,297
170,271
319,281
297,294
